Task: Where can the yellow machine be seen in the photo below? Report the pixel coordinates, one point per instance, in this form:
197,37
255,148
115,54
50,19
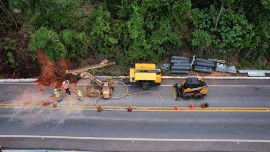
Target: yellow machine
193,86
104,88
145,74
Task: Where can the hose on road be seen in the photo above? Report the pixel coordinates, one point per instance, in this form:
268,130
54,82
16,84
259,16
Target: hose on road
127,94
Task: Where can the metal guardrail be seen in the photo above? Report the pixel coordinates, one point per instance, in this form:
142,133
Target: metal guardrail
255,73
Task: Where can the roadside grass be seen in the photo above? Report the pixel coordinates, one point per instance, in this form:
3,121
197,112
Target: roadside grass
253,65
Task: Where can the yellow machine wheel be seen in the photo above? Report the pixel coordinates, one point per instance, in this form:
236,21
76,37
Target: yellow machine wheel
197,96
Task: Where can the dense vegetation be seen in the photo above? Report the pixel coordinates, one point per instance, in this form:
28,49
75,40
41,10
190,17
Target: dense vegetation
128,31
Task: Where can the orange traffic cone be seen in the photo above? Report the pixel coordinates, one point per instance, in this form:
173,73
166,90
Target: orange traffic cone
54,105
203,105
129,109
176,108
99,109
45,103
191,106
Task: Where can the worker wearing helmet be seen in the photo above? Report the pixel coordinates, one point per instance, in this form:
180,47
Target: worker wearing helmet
79,94
65,86
57,95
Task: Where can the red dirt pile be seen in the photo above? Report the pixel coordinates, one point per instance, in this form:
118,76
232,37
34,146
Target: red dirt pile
52,71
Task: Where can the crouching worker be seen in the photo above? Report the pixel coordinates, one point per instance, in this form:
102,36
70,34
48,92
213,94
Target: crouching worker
57,95
79,94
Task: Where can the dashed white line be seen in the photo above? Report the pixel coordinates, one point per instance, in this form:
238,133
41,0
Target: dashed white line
134,139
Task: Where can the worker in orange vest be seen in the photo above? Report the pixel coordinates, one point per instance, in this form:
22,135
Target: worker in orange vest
65,86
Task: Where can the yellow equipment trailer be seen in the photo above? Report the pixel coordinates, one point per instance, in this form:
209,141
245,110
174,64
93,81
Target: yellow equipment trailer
193,86
145,74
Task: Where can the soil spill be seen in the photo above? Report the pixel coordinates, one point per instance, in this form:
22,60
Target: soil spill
52,72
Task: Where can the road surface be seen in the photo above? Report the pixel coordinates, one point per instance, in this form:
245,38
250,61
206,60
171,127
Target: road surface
238,119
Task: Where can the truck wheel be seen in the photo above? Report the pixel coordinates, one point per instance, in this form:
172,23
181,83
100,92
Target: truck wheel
145,86
126,81
198,96
187,96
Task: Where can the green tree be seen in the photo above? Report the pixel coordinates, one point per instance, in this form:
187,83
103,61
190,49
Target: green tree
258,13
137,29
75,43
48,40
232,33
102,35
54,14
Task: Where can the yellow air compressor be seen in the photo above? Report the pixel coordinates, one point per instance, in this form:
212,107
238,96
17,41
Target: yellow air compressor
145,75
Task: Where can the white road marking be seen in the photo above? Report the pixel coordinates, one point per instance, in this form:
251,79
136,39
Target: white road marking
163,77
134,139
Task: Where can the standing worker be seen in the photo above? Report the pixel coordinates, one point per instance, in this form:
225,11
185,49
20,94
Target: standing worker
57,95
65,86
79,93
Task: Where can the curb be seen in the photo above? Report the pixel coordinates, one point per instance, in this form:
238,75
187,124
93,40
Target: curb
220,78
207,77
163,77
17,80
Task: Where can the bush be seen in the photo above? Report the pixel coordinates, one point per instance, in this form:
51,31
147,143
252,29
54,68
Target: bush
233,32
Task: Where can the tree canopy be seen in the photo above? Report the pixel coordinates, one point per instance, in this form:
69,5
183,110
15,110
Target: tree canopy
145,30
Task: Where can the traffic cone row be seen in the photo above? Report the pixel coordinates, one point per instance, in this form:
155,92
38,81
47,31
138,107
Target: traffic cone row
191,106
99,109
46,103
129,109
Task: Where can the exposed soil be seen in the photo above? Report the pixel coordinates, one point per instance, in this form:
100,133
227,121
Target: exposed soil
52,72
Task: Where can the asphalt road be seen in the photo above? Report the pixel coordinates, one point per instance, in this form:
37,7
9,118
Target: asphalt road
24,127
